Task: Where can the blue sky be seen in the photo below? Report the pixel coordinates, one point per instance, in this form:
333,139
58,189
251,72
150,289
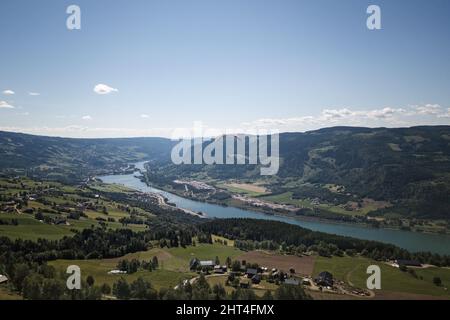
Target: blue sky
290,65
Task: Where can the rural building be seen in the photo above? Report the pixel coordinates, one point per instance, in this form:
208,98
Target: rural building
324,279
117,272
256,279
306,282
193,264
3,279
408,263
205,264
220,269
209,264
251,272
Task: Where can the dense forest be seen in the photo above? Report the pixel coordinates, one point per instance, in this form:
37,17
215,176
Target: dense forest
406,167
253,234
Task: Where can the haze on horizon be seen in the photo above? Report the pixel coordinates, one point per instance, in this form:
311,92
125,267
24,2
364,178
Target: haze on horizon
147,67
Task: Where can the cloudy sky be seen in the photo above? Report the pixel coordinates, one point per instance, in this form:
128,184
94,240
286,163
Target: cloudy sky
146,67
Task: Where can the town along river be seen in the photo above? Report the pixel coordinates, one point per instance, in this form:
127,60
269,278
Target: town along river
412,241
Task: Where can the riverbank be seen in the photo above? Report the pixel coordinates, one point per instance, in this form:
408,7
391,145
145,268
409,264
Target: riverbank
411,241
273,209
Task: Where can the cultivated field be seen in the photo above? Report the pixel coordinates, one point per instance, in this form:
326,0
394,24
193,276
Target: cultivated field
246,188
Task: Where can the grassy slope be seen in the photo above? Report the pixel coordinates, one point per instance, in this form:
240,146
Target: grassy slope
31,229
173,262
353,271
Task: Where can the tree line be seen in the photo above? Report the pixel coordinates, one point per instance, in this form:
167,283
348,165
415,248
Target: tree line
264,234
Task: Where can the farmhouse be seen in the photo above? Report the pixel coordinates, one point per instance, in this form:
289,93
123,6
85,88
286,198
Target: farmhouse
205,264
408,263
220,269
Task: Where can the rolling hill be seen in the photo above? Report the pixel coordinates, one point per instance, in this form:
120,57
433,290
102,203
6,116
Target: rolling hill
407,167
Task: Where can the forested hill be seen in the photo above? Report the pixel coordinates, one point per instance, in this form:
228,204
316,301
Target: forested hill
409,167
72,160
384,164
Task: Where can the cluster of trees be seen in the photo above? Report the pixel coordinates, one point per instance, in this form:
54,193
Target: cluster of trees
329,215
132,266
200,290
41,282
92,243
291,238
139,289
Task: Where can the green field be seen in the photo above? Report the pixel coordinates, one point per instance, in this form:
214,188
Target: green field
173,264
165,276
31,229
286,198
205,252
352,270
240,190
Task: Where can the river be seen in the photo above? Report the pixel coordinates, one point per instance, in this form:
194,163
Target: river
412,241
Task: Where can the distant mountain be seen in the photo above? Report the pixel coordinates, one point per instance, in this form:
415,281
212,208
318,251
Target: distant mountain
408,167
404,166
73,160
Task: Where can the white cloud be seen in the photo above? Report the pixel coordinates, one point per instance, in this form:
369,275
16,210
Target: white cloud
87,118
428,109
104,89
34,93
6,105
445,115
145,116
336,114
389,117
376,117
76,131
8,92
384,113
